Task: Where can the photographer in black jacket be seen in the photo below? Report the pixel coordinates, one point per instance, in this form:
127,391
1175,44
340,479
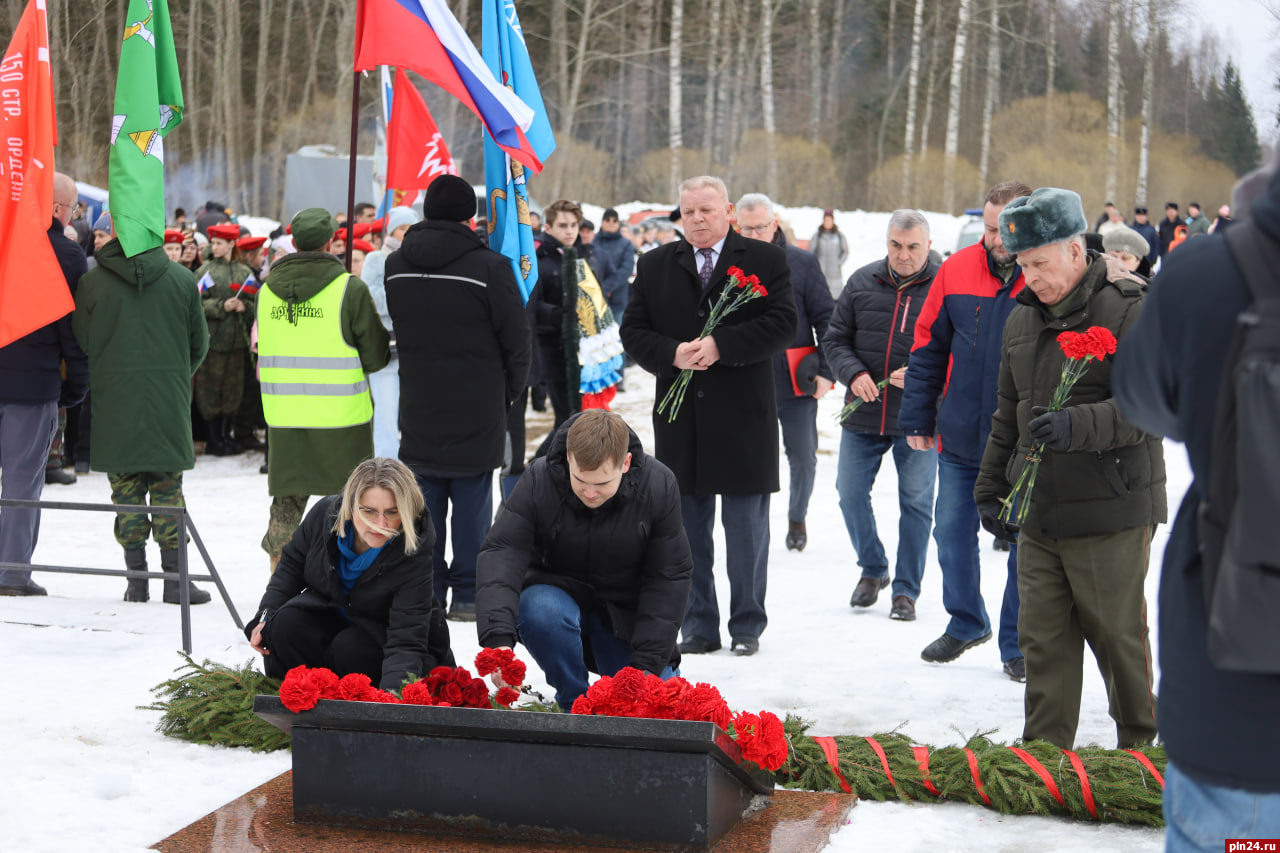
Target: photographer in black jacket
588,564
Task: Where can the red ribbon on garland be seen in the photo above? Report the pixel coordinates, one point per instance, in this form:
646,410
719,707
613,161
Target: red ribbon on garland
828,746
1146,762
1078,766
922,758
884,762
1030,761
973,771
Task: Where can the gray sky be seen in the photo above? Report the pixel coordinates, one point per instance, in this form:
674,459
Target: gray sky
1250,37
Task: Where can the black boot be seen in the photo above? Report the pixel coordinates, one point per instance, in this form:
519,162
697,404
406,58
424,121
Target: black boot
173,592
136,589
212,438
233,446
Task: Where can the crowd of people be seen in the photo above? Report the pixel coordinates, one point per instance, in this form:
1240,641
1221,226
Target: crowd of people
396,387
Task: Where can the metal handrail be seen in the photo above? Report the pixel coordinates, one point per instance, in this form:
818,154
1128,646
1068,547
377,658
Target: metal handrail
185,526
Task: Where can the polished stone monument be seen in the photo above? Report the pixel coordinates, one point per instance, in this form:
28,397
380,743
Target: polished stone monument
535,777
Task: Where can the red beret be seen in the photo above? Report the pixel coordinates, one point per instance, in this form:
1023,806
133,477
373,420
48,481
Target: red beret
374,227
363,245
341,234
225,231
248,244
173,235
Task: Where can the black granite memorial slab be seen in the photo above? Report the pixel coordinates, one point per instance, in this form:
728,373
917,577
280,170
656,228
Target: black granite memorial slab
560,778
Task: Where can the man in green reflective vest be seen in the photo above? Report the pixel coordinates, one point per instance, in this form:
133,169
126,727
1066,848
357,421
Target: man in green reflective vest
319,337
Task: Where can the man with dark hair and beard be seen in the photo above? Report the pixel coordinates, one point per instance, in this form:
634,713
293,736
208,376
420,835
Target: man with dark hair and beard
947,402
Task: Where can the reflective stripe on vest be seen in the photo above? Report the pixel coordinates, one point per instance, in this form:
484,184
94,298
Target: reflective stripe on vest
311,378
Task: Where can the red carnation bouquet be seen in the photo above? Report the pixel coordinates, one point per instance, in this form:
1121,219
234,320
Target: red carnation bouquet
1080,348
633,693
745,288
444,686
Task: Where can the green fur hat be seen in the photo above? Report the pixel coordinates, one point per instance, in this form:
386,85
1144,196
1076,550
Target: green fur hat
1048,215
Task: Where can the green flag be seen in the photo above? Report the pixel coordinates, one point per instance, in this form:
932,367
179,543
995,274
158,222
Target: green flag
148,106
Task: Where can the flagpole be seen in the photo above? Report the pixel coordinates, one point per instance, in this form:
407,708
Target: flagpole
351,176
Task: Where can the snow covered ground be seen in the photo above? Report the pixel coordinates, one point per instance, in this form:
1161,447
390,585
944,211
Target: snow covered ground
81,768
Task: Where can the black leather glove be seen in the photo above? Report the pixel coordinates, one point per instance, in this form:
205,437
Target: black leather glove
989,512
1052,429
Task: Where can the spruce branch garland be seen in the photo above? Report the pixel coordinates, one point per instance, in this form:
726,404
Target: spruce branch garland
1123,791
213,704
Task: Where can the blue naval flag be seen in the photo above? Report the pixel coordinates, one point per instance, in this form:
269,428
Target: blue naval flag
510,233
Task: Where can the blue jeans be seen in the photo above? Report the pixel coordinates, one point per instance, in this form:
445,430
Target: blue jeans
1200,817
385,388
746,544
799,419
956,532
860,456
472,499
555,631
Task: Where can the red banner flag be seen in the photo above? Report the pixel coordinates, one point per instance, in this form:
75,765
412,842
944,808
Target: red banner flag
33,291
416,153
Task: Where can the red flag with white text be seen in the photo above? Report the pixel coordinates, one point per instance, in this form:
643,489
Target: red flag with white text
33,291
416,153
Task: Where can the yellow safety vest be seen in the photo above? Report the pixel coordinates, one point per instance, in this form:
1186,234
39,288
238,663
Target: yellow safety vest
311,378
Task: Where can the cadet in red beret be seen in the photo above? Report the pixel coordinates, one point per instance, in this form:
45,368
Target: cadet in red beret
173,244
360,249
229,310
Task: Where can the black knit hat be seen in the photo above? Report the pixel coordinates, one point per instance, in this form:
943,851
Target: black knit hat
451,199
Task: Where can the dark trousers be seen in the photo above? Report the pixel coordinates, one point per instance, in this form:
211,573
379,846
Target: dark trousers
955,529
299,636
561,638
26,429
472,499
746,534
1077,590
79,429
555,381
515,436
799,419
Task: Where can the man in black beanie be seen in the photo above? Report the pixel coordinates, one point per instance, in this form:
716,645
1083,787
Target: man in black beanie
463,340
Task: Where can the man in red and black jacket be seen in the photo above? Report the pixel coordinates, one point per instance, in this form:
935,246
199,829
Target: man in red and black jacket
868,342
947,403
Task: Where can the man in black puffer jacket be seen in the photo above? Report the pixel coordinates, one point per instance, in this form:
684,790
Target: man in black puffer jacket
588,564
868,342
463,340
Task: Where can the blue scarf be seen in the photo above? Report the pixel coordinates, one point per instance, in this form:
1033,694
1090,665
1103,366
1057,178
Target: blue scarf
350,564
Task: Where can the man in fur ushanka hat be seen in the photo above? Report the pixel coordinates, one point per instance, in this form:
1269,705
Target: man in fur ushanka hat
1099,492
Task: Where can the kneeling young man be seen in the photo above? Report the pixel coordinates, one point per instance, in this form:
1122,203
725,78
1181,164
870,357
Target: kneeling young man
588,564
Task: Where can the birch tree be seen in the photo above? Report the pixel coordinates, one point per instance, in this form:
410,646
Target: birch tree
993,92
766,95
1148,106
815,70
638,82
888,46
952,142
261,83
1113,99
1051,60
913,87
835,59
713,84
676,132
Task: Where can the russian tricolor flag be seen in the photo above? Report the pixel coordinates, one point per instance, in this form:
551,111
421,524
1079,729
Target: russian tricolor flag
424,36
